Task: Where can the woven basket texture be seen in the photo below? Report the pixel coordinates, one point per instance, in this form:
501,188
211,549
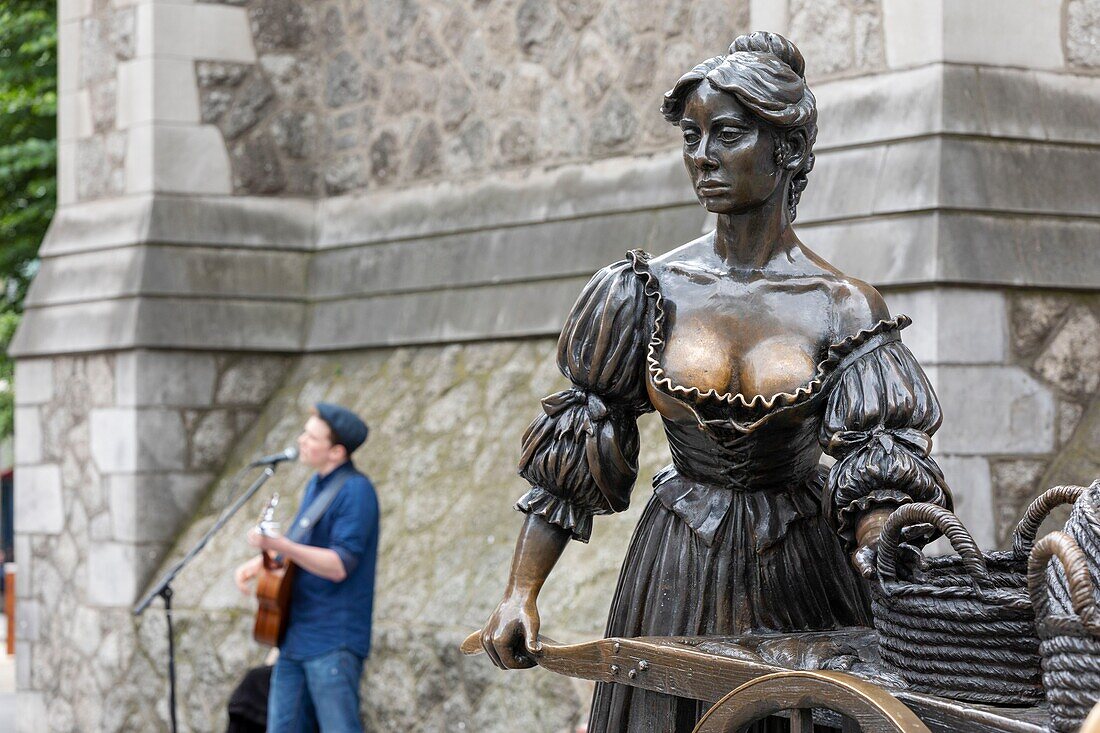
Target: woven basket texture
1067,621
961,626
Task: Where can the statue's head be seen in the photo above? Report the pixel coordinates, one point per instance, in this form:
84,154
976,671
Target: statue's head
749,123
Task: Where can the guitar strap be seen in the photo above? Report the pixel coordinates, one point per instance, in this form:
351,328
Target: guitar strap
304,526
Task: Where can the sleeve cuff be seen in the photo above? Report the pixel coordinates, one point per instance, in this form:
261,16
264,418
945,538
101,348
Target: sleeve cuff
349,560
557,511
848,516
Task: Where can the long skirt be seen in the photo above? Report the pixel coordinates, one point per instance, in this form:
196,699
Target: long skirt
674,584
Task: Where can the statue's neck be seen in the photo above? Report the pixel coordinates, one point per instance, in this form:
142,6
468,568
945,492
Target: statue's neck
752,239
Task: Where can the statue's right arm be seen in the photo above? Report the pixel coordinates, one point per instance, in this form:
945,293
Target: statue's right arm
510,635
580,455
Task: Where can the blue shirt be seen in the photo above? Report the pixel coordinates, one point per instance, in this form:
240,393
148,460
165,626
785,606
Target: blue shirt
325,615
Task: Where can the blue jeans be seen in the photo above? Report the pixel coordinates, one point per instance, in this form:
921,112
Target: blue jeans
321,691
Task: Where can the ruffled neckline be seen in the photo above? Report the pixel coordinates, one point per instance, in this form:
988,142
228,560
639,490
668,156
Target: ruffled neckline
835,355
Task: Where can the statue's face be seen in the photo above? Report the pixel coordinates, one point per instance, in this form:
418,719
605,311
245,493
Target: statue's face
729,155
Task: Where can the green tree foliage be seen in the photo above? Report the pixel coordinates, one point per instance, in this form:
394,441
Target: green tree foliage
28,156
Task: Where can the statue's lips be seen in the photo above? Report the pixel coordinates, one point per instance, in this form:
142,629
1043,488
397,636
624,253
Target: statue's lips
711,189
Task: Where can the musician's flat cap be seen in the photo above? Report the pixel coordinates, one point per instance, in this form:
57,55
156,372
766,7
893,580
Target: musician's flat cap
348,429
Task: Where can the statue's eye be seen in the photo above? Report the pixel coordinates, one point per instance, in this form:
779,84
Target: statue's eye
691,137
729,135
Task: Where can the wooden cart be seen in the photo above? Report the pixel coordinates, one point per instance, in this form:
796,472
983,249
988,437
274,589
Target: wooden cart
824,682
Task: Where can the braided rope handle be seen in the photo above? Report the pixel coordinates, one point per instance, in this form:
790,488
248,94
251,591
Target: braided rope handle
943,520
1024,536
1075,564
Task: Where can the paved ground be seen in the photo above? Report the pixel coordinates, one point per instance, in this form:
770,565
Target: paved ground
7,681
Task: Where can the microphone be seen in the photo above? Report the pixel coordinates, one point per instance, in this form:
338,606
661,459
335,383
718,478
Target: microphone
290,454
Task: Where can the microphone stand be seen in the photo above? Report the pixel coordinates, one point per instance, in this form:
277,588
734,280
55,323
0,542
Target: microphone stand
163,587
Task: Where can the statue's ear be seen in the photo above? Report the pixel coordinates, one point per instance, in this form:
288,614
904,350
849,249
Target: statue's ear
795,147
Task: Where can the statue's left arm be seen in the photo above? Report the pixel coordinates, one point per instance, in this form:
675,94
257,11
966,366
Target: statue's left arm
878,425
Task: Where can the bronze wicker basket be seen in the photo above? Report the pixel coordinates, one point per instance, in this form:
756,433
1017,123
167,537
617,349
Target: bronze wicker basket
962,626
1070,642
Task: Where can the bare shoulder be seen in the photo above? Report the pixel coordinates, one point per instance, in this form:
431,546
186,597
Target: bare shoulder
701,248
857,305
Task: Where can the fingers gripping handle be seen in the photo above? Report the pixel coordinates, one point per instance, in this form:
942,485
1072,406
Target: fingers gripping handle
945,522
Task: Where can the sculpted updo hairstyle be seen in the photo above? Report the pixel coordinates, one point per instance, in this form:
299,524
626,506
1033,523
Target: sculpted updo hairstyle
766,73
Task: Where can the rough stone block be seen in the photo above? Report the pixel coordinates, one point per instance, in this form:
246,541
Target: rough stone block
1083,33
1078,462
39,507
33,381
28,436
197,31
993,409
112,574
1034,316
158,378
162,441
1071,361
187,159
212,439
249,381
157,90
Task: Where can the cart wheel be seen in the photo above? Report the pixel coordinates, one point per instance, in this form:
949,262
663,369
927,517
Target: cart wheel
872,708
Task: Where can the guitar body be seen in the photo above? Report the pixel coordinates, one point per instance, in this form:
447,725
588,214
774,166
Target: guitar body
273,598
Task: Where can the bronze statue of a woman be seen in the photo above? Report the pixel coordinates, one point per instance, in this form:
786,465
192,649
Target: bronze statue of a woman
758,355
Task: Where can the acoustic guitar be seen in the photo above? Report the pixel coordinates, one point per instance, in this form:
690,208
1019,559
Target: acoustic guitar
272,586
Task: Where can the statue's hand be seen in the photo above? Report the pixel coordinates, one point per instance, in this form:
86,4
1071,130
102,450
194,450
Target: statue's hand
865,558
510,636
868,530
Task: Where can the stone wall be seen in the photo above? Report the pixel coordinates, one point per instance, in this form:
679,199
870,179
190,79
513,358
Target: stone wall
445,426
264,184
112,454
1018,376
368,95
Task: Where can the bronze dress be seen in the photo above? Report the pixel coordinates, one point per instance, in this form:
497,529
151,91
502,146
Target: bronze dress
745,529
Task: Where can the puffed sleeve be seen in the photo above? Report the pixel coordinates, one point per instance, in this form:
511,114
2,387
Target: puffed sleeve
581,454
878,424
